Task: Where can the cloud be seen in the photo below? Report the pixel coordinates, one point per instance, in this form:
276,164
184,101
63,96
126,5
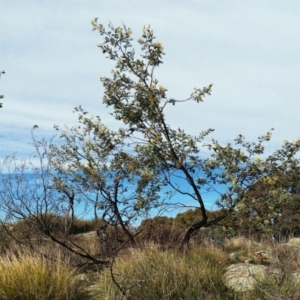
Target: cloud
248,50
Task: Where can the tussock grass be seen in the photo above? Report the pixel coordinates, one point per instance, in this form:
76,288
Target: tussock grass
238,244
148,273
28,276
283,287
289,255
153,274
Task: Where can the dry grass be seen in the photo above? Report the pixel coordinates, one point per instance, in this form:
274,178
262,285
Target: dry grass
276,288
238,244
24,275
149,273
153,274
285,281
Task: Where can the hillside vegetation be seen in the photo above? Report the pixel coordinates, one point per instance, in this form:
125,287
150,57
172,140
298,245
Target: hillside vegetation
244,249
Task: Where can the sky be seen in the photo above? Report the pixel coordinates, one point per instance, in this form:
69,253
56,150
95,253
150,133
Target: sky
248,50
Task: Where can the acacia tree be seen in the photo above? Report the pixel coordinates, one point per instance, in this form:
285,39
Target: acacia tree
123,173
95,163
140,102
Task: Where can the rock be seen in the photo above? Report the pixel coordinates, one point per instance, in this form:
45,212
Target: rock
255,245
289,255
264,257
296,277
294,241
288,251
239,257
288,248
233,257
275,272
242,277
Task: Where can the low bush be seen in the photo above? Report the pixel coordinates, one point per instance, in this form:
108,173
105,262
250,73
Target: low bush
53,223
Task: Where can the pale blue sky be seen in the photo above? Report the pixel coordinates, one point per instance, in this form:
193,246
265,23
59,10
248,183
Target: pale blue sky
249,50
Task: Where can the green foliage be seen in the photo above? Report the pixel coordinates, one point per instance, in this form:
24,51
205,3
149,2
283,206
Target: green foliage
54,224
122,174
139,102
94,162
271,206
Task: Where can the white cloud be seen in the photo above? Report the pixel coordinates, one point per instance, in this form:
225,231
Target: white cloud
248,50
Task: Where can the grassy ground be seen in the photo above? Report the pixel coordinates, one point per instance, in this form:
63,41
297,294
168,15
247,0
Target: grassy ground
144,274
152,274
28,276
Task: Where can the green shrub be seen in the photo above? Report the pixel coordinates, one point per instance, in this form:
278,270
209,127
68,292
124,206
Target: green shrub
54,223
82,226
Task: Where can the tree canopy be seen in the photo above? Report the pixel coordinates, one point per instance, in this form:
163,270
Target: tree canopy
139,102
129,173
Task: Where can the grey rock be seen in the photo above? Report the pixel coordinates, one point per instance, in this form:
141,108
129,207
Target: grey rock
242,277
